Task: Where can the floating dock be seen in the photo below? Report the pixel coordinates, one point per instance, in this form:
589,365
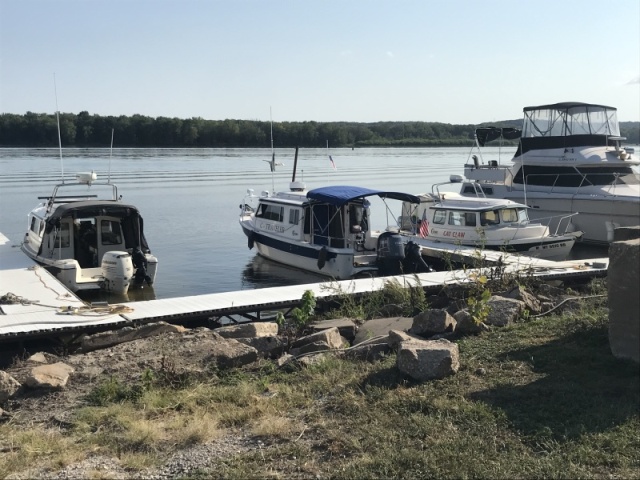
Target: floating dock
44,308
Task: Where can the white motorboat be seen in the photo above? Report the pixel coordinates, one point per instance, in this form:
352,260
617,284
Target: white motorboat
481,222
87,242
569,159
327,231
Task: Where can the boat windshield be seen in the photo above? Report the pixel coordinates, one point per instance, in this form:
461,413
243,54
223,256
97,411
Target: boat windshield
566,119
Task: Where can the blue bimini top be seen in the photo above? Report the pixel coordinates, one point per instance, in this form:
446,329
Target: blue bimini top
338,195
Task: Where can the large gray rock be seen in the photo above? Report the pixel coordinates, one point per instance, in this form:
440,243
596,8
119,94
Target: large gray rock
8,386
380,327
227,353
267,347
428,359
624,302
313,347
466,324
50,376
126,334
431,322
345,326
503,311
331,337
519,293
248,330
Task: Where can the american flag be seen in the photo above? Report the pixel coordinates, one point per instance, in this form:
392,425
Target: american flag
424,225
333,164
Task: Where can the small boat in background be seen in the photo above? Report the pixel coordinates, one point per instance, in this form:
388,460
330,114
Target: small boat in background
490,223
90,243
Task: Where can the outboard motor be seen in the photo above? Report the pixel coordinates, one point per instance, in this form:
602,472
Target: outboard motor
413,261
390,254
117,270
140,264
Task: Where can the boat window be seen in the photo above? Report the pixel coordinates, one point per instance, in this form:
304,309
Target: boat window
34,225
523,217
456,218
439,217
509,215
570,120
470,219
489,218
307,222
472,190
62,236
270,212
294,216
549,176
110,232
570,176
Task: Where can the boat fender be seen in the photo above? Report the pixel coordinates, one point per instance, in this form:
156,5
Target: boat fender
322,258
251,240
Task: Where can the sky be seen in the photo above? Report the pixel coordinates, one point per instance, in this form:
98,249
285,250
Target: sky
451,61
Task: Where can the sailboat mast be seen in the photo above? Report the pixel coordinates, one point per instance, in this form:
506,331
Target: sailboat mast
110,155
55,90
273,154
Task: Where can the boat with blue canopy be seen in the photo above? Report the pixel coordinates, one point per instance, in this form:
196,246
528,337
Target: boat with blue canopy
328,231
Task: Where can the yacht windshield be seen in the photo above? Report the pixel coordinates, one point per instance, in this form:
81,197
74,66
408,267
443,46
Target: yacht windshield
562,120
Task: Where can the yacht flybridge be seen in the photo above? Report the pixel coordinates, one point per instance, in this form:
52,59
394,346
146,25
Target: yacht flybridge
570,159
90,243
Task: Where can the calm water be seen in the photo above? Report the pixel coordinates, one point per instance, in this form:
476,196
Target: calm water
189,199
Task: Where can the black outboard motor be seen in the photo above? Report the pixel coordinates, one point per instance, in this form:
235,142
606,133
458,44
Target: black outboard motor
140,264
413,261
390,254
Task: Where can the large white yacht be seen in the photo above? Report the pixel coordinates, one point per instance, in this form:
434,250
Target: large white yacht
569,159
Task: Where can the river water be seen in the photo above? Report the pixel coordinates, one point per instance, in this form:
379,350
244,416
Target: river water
189,199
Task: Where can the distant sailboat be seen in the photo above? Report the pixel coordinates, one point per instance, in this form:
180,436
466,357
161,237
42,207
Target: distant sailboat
272,163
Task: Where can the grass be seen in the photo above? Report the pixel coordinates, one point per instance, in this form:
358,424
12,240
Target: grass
543,397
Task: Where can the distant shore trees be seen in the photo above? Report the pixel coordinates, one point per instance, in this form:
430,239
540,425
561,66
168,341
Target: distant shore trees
87,130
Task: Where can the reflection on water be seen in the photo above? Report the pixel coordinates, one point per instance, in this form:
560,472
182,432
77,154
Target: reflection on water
261,272
135,294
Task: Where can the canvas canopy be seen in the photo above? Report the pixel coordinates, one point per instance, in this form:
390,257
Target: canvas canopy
338,195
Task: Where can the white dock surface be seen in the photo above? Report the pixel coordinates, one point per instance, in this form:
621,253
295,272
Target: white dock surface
42,294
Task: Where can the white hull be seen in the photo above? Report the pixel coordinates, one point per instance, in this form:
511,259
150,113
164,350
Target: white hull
598,215
77,279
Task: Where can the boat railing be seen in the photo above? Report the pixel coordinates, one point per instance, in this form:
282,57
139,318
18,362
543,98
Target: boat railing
55,198
561,219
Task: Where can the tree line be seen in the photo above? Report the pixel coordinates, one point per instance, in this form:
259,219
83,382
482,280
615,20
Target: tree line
87,130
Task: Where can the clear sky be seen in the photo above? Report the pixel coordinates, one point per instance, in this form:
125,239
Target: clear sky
452,61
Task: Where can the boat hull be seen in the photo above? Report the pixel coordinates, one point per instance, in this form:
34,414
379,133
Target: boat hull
336,263
597,218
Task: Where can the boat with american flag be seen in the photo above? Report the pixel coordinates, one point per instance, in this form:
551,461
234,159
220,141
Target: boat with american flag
491,223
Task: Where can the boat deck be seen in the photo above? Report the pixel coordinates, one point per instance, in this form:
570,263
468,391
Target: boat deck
48,309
